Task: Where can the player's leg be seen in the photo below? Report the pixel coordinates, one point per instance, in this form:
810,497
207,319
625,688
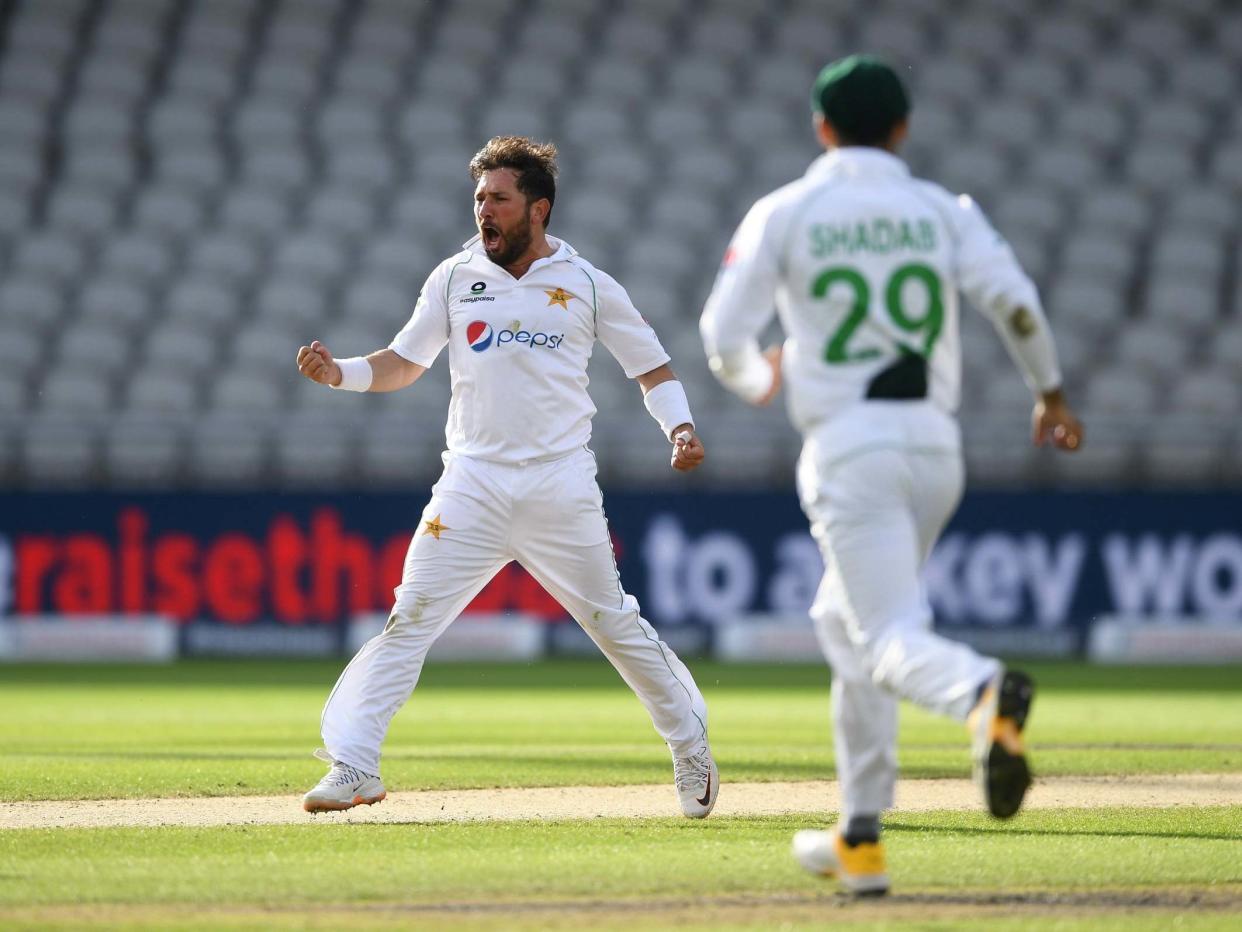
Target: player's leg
561,537
999,715
459,545
864,718
874,539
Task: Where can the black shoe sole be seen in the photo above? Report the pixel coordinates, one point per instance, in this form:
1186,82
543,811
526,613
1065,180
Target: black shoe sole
1009,778
1008,775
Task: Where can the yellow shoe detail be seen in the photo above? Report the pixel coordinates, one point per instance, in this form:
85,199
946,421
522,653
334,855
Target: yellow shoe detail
863,860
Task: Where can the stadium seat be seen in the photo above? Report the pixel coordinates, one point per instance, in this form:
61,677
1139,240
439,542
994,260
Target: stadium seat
343,211
60,451
32,301
198,167
117,302
1225,347
1208,393
255,211
399,257
1090,122
311,257
180,121
286,169
168,212
1115,208
1008,124
1089,256
291,302
1122,79
1155,347
204,301
229,450
1113,392
96,348
31,75
430,119
50,255
364,76
181,347
619,79
143,454
1203,78
232,258
1091,305
1190,252
162,392
1159,167
514,117
378,303
1183,302
320,458
71,389
1183,451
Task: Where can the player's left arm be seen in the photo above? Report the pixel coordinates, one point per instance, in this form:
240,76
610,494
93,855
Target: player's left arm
991,277
688,450
626,334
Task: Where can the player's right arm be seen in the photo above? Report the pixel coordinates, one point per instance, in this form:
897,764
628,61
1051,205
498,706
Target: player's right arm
389,372
990,276
741,304
410,354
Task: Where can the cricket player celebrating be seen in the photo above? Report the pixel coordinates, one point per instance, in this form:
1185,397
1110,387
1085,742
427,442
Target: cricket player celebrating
863,263
520,312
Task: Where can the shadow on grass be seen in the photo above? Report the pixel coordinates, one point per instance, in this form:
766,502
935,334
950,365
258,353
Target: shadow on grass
1007,831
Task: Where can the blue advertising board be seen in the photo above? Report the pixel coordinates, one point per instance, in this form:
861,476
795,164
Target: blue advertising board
1031,569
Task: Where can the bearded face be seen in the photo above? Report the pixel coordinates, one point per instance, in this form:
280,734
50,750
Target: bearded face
503,216
504,245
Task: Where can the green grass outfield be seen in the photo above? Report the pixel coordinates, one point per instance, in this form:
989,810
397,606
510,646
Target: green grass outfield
223,728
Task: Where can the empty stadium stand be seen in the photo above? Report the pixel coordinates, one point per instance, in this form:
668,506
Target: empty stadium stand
190,190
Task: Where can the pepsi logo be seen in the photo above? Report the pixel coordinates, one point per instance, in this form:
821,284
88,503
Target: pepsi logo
479,335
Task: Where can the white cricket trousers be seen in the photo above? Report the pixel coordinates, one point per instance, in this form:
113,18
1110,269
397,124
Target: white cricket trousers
549,517
876,508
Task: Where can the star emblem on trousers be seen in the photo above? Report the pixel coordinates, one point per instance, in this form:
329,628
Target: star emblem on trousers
559,296
434,527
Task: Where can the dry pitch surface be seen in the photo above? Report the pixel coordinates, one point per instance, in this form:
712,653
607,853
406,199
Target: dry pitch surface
638,801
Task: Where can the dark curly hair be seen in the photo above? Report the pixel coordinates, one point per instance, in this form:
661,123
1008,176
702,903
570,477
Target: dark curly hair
533,162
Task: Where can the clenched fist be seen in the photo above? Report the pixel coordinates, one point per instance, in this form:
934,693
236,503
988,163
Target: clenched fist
688,451
316,363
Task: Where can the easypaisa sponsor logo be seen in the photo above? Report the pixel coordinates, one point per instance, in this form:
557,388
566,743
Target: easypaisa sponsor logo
477,294
481,336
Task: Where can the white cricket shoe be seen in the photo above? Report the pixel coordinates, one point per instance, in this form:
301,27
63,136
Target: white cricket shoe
697,781
343,787
860,869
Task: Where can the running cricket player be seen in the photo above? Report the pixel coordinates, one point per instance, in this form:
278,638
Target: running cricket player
520,312
863,263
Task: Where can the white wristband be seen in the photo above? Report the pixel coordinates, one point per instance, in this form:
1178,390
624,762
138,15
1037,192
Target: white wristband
356,374
667,403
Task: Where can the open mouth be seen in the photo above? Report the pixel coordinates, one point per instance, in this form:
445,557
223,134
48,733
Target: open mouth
491,237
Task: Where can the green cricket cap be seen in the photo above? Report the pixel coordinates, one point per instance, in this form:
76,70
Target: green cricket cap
861,96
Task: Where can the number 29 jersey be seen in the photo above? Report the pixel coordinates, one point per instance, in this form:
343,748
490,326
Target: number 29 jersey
863,263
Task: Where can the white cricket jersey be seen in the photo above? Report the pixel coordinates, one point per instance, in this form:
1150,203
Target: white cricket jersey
518,349
863,264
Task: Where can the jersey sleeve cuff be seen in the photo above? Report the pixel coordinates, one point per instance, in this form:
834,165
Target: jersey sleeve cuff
634,371
409,356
